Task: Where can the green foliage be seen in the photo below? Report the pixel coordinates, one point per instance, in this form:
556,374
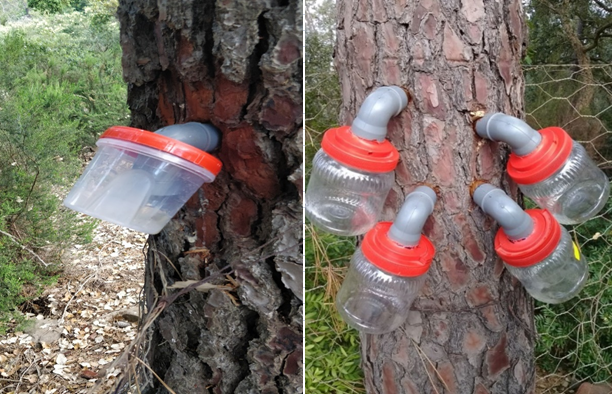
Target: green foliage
60,87
576,336
50,6
332,349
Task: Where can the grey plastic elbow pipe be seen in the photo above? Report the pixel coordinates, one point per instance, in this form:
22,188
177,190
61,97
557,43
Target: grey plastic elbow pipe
376,111
513,131
203,136
407,227
514,221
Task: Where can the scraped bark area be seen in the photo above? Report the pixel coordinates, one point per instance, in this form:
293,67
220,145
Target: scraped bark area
471,330
238,65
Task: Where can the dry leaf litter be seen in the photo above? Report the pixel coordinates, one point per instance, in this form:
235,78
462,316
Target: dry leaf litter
82,323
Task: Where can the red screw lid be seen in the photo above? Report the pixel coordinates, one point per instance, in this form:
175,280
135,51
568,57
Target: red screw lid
536,247
395,258
373,156
547,158
165,144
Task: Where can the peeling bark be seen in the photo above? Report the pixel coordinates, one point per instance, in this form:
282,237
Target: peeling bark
236,64
471,330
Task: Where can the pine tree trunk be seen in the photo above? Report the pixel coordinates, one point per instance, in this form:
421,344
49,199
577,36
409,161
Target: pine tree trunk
236,64
471,330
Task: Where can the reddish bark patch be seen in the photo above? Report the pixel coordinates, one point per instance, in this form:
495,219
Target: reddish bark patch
165,107
207,229
242,215
456,271
185,50
429,27
482,87
475,33
199,101
487,159
409,386
431,99
447,374
434,129
391,40
480,389
388,378
378,11
440,331
472,247
292,363
473,10
392,74
418,54
443,168
499,267
244,160
490,318
230,98
279,113
497,359
453,47
288,50
505,64
479,295
365,49
285,340
473,343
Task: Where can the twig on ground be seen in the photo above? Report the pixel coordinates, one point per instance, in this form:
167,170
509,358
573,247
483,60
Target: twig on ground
61,320
24,248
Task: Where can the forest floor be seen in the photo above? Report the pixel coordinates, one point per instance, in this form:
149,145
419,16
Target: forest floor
81,324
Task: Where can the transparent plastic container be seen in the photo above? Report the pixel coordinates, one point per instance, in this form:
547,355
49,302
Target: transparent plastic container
375,301
576,192
389,269
138,186
557,278
343,200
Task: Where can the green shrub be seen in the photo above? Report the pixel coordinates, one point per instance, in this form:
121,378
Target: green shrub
60,87
576,337
51,6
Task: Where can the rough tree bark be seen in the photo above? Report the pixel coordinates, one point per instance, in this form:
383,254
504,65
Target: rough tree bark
471,330
238,65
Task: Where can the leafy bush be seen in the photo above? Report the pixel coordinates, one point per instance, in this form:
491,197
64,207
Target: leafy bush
61,86
332,348
576,336
51,6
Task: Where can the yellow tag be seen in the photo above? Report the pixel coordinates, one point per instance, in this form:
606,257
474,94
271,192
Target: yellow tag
576,252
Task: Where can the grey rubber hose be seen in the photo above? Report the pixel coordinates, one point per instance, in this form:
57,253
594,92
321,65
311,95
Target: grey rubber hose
376,111
408,224
510,216
513,131
203,136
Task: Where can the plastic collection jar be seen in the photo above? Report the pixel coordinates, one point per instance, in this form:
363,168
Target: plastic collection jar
140,179
548,264
560,177
383,280
350,180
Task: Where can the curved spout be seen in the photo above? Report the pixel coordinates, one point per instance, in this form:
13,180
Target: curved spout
510,216
513,131
203,136
376,111
408,224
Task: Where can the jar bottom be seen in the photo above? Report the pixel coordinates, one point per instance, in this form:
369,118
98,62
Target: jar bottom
370,313
582,202
341,216
562,291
